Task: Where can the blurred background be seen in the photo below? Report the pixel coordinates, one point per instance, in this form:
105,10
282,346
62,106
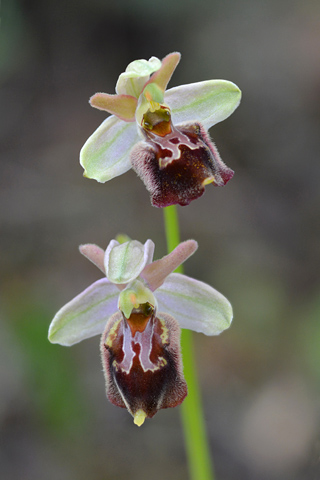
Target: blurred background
258,237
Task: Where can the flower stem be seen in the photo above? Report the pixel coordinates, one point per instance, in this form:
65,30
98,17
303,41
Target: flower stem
197,447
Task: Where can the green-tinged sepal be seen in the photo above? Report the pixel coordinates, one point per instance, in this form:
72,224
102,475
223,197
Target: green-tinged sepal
125,262
85,315
105,154
208,102
137,73
195,305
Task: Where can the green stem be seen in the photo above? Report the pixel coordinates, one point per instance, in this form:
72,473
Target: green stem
197,447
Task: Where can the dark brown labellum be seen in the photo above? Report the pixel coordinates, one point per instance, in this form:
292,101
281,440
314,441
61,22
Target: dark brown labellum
176,167
142,362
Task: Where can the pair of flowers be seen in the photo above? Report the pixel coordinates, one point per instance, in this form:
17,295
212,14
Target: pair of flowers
141,305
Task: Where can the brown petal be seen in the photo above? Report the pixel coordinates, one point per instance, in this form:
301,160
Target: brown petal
162,76
93,253
122,106
156,272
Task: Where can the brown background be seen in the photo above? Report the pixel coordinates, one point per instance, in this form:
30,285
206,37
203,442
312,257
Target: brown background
258,237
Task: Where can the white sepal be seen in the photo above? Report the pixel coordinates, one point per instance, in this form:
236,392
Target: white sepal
105,154
86,315
206,102
137,73
124,262
194,304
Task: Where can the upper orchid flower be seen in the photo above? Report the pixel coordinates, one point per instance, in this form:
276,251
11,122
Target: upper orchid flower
140,345
175,158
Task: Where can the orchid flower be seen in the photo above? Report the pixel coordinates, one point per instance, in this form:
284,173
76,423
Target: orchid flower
161,134
139,307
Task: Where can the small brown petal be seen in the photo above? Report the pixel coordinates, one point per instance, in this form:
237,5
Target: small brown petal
95,254
156,272
123,106
168,65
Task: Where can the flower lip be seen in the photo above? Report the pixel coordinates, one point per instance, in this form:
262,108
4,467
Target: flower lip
175,168
143,370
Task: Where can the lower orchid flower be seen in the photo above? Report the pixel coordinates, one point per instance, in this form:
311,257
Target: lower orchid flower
161,134
139,307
